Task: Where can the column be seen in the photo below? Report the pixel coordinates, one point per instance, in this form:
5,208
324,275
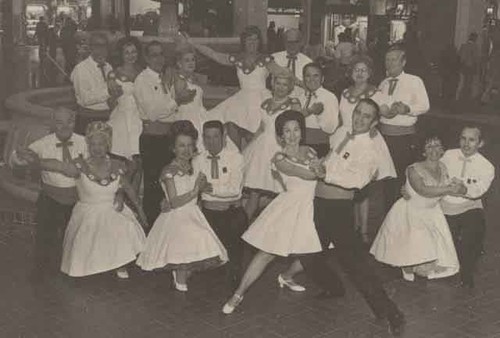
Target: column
248,12
168,18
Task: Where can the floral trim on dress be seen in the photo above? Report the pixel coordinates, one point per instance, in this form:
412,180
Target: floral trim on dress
84,168
262,61
311,154
267,104
368,93
172,170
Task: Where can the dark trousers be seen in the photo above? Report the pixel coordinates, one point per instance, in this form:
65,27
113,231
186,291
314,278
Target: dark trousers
155,154
52,218
229,225
334,223
468,230
85,116
403,152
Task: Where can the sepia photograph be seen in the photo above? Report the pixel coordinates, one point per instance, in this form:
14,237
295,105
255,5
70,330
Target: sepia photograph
249,168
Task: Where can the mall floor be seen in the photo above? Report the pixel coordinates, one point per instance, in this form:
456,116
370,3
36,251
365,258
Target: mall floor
146,305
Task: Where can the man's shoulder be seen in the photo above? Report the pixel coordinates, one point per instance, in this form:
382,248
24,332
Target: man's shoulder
484,163
325,92
80,139
411,77
279,55
304,57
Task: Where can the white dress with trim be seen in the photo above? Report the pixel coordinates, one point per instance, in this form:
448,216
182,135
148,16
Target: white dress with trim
415,231
286,226
243,107
99,238
182,238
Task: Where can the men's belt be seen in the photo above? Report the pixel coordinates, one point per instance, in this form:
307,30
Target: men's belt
221,205
156,127
93,112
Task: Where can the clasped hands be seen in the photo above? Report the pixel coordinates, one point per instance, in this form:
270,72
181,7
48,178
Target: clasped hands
201,185
397,108
317,166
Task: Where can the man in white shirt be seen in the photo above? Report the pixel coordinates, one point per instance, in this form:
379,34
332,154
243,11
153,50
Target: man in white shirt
158,107
292,58
465,213
407,100
321,109
223,167
58,194
350,166
89,79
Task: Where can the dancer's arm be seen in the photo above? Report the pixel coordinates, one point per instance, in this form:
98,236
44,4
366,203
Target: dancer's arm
66,168
126,187
177,201
418,184
220,58
289,168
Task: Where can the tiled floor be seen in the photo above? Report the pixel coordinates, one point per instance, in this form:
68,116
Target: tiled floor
147,306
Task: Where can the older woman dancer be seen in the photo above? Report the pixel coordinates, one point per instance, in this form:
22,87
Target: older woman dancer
286,226
239,111
415,234
361,69
98,237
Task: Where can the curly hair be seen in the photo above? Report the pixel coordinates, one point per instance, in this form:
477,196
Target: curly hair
249,31
290,115
99,128
364,59
125,42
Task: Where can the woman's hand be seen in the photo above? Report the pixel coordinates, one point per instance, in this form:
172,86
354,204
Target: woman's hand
143,220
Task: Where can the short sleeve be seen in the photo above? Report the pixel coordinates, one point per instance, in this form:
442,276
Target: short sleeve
169,172
38,146
278,157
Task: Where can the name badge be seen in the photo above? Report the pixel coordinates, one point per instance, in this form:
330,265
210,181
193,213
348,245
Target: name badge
224,170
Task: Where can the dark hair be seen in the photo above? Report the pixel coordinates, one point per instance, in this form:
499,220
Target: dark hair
125,42
290,115
312,65
397,48
152,44
185,128
372,104
424,141
213,124
249,31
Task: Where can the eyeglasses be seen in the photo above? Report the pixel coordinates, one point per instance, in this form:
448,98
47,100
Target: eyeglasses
361,70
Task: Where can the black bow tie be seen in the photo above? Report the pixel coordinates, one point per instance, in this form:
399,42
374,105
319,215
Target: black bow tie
64,144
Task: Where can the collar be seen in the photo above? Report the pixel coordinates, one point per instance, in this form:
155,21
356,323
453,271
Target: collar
461,156
314,93
70,139
152,73
396,77
362,137
94,63
288,56
206,153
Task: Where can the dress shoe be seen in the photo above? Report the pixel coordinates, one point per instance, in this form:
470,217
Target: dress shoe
396,323
408,276
232,304
179,286
290,284
122,274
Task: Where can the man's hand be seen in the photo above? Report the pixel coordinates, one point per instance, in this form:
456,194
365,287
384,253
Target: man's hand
119,200
27,155
185,96
400,108
373,132
405,193
316,108
114,89
208,188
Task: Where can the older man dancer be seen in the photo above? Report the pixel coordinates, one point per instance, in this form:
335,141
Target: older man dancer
407,100
89,79
58,195
352,163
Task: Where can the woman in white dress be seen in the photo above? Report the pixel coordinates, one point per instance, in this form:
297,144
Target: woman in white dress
98,237
258,177
286,227
240,111
124,119
415,234
181,239
361,69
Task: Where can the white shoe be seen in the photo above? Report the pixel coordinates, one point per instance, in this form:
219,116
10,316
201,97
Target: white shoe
290,284
122,273
231,304
179,286
408,276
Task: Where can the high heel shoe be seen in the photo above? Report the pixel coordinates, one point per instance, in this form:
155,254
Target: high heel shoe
408,276
231,304
179,286
290,284
122,273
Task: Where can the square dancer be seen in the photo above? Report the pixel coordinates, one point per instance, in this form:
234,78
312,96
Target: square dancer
58,194
407,99
90,82
352,163
222,206
464,213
